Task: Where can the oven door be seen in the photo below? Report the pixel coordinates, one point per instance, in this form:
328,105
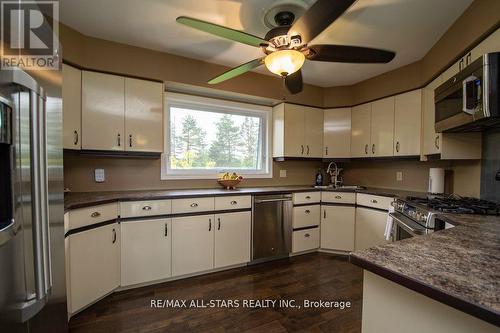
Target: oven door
403,227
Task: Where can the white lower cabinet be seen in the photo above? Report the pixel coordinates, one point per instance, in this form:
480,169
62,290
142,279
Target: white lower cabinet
146,247
370,227
337,227
232,238
94,265
304,240
192,244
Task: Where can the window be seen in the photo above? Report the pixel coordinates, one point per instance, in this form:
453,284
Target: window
206,136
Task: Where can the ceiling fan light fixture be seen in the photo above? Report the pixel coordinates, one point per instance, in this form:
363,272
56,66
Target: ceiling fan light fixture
284,62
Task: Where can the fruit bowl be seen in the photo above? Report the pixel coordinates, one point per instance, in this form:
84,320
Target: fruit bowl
229,184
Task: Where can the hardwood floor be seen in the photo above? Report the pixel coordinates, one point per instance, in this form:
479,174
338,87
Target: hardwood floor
312,276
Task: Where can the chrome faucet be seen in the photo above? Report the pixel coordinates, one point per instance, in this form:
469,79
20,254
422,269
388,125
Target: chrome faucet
335,178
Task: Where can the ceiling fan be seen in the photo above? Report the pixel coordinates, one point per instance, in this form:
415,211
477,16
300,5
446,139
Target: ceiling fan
285,46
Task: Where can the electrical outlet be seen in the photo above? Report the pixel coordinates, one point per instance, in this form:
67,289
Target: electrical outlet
399,176
282,173
99,175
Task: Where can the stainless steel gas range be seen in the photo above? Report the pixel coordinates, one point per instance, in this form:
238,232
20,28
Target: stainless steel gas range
415,216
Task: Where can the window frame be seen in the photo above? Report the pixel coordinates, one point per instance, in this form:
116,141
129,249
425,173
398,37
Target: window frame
219,106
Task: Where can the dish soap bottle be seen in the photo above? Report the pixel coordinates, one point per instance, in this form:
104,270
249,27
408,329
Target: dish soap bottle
319,178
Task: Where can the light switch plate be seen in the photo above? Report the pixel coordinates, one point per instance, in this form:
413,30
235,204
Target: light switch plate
283,173
99,175
399,176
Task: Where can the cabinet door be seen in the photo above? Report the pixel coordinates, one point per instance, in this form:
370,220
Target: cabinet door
431,139
382,127
294,142
72,107
360,131
103,111
370,228
337,133
192,244
145,250
451,71
143,115
337,228
490,44
313,131
94,265
232,238
408,123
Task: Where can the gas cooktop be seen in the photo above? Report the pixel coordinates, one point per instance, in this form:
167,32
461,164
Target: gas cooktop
457,205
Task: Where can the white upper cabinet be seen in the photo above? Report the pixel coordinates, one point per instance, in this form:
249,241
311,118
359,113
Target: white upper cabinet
360,130
407,123
490,44
143,115
72,107
337,133
382,127
298,131
431,139
103,117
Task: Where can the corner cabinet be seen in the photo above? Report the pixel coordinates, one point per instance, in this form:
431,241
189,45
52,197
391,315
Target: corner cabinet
121,114
72,107
298,131
337,133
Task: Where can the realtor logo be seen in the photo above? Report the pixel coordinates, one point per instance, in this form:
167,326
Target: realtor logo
29,31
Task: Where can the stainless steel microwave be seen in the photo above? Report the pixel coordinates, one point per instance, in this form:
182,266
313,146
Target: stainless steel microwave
469,101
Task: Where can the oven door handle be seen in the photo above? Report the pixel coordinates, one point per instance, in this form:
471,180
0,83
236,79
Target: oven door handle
407,225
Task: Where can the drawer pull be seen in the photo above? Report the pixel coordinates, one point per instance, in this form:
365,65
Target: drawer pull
374,201
307,235
95,214
338,197
234,202
308,197
307,211
146,208
194,204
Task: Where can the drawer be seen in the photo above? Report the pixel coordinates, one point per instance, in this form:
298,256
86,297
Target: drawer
374,201
233,202
192,205
301,198
145,208
339,197
304,240
81,217
306,216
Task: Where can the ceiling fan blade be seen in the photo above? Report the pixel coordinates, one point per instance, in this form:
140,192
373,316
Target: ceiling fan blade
293,82
237,71
318,17
221,31
350,54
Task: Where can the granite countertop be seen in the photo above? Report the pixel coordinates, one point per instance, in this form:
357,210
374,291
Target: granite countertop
459,266
73,200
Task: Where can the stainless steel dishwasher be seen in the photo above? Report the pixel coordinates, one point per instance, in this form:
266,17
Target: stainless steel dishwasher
272,227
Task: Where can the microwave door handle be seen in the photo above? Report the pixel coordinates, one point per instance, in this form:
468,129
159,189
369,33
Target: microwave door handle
466,82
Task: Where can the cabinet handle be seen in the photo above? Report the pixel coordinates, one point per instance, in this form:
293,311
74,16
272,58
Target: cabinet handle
307,235
194,204
308,197
95,214
324,214
307,150
119,140
130,140
468,58
436,141
209,224
302,149
373,201
218,221
373,148
397,146
166,229
234,202
75,142
366,149
146,208
326,151
114,235
307,211
461,64
338,197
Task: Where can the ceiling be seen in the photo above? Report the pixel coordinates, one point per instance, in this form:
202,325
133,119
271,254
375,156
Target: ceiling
408,27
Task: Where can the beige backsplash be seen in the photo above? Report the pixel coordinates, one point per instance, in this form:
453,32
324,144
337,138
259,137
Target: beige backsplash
134,174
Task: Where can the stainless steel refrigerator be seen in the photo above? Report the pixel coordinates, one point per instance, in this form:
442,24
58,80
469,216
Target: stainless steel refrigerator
32,279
